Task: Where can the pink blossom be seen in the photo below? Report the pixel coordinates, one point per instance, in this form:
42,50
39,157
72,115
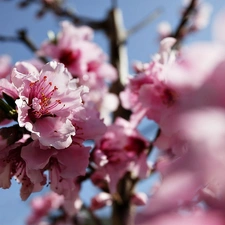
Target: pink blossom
218,28
119,151
12,165
151,79
8,88
48,127
164,30
139,199
197,92
202,17
64,166
100,178
185,97
85,60
75,50
47,98
28,188
88,117
192,167
110,103
101,200
42,205
207,138
171,83
189,218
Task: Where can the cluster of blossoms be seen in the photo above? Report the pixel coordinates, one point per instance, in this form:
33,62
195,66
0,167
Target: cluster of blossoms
198,21
183,92
47,128
86,61
50,112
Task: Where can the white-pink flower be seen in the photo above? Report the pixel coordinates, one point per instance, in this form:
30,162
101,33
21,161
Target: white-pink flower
121,149
42,205
101,200
73,46
175,82
64,166
46,100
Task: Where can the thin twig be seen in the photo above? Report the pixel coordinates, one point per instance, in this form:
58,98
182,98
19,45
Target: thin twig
8,38
180,31
79,20
144,22
60,11
23,37
94,24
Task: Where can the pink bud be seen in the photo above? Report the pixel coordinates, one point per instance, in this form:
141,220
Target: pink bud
101,200
139,199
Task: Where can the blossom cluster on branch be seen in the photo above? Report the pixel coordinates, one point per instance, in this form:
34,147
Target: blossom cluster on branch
58,128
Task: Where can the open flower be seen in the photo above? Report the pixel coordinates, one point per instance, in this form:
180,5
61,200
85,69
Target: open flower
45,102
64,166
85,60
122,149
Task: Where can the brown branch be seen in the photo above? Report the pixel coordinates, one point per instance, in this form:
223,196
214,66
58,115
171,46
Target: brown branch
182,27
94,24
23,37
95,219
58,10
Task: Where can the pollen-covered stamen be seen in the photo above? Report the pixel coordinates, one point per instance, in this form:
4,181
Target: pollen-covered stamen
36,86
40,98
46,110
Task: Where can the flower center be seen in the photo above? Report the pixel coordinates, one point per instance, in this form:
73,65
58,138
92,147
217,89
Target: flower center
135,145
40,98
169,97
92,66
67,57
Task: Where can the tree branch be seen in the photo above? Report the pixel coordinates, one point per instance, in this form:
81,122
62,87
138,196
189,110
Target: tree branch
22,37
181,29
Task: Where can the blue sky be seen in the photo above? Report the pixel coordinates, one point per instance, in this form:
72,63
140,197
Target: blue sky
141,46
